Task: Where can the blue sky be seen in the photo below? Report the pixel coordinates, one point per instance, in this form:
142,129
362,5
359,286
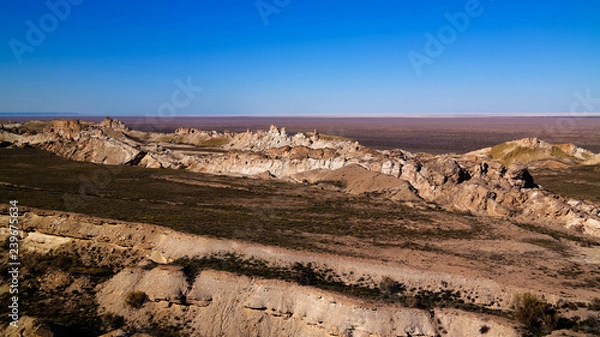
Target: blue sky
295,57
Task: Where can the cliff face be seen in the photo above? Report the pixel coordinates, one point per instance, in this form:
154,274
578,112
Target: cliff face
164,245
217,303
477,182
223,304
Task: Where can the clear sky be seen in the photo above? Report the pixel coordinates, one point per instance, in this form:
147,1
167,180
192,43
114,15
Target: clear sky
298,57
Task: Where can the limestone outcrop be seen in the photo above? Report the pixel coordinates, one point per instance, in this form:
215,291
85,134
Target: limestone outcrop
223,304
114,124
66,129
217,303
534,150
489,182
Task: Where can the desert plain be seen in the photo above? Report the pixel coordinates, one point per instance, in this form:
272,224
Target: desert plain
273,226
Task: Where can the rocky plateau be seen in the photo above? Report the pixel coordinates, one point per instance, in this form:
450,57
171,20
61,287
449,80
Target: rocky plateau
492,186
478,182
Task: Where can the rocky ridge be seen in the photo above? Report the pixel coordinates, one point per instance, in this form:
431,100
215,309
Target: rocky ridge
477,182
538,152
164,246
223,304
247,307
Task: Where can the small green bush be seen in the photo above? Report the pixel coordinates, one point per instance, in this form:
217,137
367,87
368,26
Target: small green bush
136,299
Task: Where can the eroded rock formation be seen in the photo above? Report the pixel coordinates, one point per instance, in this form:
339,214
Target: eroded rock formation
478,182
217,303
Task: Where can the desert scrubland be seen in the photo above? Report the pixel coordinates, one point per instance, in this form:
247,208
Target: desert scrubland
458,227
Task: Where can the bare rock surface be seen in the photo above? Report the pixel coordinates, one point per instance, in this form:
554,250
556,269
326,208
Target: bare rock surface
534,150
222,304
114,124
165,245
225,304
28,327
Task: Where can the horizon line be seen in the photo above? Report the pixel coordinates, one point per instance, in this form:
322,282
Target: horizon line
377,115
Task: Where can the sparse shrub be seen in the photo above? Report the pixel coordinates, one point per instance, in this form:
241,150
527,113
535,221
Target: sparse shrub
484,329
566,323
305,275
535,314
568,305
594,304
409,301
389,287
112,321
590,325
136,299
335,183
165,331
